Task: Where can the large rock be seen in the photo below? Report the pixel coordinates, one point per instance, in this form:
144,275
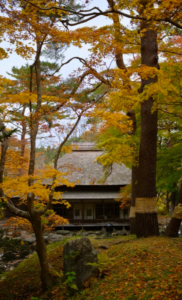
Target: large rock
30,239
87,233
116,233
49,238
124,232
101,232
78,253
53,238
63,232
9,255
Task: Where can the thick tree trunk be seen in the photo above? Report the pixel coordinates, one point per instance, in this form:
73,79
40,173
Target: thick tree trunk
146,213
146,224
175,222
146,186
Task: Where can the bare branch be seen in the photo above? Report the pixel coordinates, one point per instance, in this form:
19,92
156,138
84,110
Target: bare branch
167,51
65,140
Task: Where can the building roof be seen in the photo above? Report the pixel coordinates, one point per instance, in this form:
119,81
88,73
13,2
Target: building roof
87,171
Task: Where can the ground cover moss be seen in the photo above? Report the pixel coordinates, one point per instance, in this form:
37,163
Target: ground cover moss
134,269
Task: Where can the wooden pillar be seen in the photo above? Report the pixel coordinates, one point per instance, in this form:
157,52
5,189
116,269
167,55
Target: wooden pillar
103,208
73,217
82,213
82,210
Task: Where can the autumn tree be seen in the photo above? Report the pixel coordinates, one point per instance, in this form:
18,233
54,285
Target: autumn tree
45,107
37,196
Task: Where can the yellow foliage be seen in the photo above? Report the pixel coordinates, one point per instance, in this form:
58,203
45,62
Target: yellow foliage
42,185
125,196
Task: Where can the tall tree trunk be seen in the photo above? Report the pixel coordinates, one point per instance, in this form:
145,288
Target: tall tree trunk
35,217
146,204
175,222
34,120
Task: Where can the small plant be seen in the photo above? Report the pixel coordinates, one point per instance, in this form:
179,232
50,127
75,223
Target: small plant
70,281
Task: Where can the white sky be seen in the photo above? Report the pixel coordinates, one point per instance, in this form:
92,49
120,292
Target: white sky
17,61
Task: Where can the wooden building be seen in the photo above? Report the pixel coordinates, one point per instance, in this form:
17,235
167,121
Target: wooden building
92,200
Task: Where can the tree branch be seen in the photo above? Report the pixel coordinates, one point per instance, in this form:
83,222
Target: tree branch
89,16
16,211
166,51
65,140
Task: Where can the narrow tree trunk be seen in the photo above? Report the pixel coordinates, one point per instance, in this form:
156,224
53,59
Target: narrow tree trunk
35,216
174,224
146,204
35,122
46,276
4,148
23,134
133,195
35,219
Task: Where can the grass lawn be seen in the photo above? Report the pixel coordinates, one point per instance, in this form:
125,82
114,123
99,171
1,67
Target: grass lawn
136,269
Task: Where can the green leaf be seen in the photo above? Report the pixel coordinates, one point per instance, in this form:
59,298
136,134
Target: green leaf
73,286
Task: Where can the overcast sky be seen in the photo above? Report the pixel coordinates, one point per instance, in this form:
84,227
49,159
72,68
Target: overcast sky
17,61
